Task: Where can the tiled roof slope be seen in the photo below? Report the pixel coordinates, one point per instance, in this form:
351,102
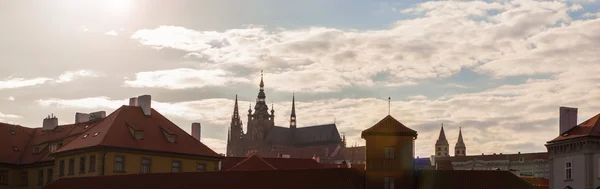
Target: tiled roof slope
465,179
275,179
305,136
342,178
538,183
25,138
389,125
590,127
252,163
498,157
114,131
277,163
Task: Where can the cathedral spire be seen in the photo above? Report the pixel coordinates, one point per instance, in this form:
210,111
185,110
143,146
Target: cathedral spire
236,114
441,145
460,141
262,84
293,114
460,149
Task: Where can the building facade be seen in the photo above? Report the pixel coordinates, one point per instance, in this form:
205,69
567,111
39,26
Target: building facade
575,153
133,139
263,137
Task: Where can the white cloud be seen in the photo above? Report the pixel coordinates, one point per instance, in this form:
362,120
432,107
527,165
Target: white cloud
592,15
454,85
417,97
501,39
218,145
183,78
11,98
111,32
70,75
12,83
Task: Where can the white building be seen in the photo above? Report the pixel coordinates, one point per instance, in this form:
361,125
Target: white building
575,153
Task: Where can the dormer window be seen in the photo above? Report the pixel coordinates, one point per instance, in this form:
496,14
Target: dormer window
53,147
86,126
96,134
12,132
139,135
171,138
85,136
36,149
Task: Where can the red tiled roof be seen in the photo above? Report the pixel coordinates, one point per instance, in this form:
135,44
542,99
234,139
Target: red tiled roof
389,125
466,179
277,163
275,179
113,131
26,138
590,127
443,164
538,183
252,163
497,157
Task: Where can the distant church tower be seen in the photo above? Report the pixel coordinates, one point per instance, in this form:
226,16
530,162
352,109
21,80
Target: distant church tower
441,145
236,132
260,122
460,149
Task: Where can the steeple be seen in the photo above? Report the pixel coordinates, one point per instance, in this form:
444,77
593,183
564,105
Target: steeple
441,145
236,130
460,149
261,110
293,114
262,84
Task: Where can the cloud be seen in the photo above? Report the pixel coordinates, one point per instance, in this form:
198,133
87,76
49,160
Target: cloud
111,32
507,38
70,75
418,97
11,98
184,78
454,85
12,83
218,145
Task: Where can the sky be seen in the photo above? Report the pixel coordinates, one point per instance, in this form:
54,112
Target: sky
499,70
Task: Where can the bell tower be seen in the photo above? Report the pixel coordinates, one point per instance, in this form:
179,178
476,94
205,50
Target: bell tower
390,155
460,149
441,145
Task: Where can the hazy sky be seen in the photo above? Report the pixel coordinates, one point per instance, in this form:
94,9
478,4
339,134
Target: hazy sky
498,69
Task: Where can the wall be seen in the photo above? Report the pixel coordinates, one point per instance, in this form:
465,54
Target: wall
14,177
401,168
96,172
558,171
159,163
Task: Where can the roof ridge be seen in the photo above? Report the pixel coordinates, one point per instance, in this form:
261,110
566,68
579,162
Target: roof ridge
116,113
248,159
96,123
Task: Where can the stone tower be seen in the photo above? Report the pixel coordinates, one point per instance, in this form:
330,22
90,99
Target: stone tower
460,149
390,155
260,122
441,145
236,132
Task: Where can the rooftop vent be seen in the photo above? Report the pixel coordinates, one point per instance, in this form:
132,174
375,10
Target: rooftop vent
133,101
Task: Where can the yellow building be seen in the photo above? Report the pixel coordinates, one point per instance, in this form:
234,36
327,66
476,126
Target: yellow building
134,139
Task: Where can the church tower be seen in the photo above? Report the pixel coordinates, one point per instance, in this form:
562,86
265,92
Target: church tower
260,122
460,149
389,155
441,145
236,131
293,121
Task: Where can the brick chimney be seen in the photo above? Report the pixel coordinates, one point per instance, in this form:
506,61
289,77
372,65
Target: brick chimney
97,115
133,101
144,102
567,119
196,130
50,123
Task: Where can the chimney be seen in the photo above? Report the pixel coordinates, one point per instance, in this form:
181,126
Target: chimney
50,123
196,128
144,102
133,101
81,117
567,119
97,115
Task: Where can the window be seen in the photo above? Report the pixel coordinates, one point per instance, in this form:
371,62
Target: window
53,147
96,134
439,154
439,149
36,149
139,135
24,178
390,152
82,165
200,167
176,166
71,166
61,168
119,164
568,167
3,177
171,139
50,176
388,183
15,149
41,177
92,164
145,165
521,159
85,136
12,132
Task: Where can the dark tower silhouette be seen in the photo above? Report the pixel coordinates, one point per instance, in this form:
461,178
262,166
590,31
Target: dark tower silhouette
460,149
441,145
236,130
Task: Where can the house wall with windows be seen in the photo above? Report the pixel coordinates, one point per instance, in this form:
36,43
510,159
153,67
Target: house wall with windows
163,163
91,165
559,167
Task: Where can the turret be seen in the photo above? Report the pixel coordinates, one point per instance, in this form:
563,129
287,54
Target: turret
441,145
460,149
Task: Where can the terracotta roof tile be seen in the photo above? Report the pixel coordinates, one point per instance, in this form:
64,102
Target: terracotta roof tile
113,131
278,163
466,179
12,145
273,179
590,127
389,125
252,163
538,183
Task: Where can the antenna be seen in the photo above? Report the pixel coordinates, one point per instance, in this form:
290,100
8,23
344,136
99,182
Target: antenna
389,104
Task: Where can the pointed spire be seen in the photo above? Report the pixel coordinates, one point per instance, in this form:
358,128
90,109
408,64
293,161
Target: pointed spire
272,107
262,84
442,137
389,104
293,114
236,114
460,142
